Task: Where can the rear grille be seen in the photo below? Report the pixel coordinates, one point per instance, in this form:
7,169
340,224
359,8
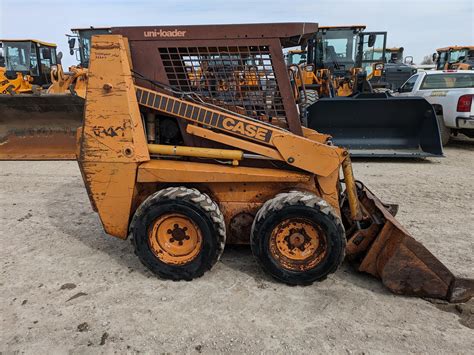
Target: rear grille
241,79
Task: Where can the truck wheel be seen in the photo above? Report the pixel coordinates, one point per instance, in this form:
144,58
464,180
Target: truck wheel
444,132
298,238
178,233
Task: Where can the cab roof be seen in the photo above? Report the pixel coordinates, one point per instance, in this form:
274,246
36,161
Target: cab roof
289,33
77,29
344,27
454,48
46,44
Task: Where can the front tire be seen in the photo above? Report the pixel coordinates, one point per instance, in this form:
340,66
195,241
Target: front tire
444,132
178,233
298,238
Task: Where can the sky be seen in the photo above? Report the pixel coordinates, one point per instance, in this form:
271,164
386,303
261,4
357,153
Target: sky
420,26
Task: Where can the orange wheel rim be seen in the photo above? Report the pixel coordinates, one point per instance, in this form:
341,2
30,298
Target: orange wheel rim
175,239
298,244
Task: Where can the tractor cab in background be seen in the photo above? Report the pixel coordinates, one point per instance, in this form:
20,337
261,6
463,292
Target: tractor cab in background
454,57
335,48
342,59
27,57
342,81
296,56
396,69
394,55
83,37
357,61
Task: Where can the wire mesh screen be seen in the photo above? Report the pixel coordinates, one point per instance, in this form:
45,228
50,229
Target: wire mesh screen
241,78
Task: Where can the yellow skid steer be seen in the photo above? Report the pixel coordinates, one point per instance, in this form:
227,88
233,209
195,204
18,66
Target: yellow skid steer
184,172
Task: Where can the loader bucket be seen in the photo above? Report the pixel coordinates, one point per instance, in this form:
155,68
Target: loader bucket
39,127
379,125
386,250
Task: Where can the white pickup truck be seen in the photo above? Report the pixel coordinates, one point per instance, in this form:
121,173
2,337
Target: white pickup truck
451,93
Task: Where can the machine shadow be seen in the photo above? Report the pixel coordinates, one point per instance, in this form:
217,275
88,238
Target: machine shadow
461,142
70,213
240,259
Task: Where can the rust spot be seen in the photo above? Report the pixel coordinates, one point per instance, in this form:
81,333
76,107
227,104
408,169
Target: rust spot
240,227
298,244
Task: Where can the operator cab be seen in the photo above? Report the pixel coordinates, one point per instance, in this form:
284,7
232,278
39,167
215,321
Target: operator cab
83,36
28,57
453,57
2,56
342,48
371,52
296,57
394,55
336,48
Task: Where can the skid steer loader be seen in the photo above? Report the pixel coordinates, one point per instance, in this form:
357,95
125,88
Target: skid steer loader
38,118
344,65
184,168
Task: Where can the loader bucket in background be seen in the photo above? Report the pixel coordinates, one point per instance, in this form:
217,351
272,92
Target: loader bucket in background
379,125
386,250
39,127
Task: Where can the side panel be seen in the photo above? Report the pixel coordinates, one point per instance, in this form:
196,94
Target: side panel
113,142
111,187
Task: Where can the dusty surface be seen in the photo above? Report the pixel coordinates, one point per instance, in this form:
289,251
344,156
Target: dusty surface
66,286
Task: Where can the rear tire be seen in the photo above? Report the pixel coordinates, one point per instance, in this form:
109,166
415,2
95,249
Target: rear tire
444,132
298,238
178,233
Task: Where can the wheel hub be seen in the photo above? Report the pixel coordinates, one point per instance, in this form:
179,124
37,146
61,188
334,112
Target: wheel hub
297,238
175,239
178,234
298,244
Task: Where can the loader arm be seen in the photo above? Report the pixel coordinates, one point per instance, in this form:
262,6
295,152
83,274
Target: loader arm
294,150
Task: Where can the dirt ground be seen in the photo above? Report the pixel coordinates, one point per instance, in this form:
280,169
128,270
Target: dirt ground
67,287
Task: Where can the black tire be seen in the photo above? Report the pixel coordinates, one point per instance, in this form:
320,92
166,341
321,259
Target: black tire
293,206
311,98
195,206
444,132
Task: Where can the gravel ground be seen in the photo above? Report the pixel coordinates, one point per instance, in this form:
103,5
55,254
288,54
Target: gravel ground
67,287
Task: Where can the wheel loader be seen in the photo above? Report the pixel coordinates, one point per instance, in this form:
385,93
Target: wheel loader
38,114
345,65
393,71
25,64
454,57
184,169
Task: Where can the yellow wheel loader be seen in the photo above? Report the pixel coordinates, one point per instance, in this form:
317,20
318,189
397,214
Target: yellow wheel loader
185,169
17,84
38,114
343,64
25,63
454,57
